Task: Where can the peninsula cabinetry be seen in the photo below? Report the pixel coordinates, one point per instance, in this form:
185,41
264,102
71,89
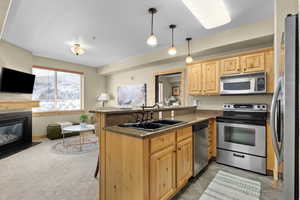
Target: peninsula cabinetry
152,168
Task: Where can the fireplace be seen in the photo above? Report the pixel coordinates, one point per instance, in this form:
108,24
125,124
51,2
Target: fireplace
15,131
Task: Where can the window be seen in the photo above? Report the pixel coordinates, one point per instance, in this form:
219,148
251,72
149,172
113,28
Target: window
57,90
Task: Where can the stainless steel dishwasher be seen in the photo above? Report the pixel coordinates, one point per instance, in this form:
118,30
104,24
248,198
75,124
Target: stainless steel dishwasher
200,135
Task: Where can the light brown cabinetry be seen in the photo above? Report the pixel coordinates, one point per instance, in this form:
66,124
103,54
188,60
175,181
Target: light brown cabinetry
184,161
195,79
153,168
210,73
212,139
254,62
207,82
163,174
230,66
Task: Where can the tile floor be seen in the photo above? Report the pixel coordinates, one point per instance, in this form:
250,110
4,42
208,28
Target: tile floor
194,190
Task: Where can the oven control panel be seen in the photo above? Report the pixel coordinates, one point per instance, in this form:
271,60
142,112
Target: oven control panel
246,107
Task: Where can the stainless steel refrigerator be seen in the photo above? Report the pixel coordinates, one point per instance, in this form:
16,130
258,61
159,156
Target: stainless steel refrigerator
285,112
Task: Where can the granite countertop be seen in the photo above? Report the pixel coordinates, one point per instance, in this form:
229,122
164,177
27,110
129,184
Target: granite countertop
112,110
189,119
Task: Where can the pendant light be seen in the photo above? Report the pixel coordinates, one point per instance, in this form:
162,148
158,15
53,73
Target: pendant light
172,50
189,58
152,40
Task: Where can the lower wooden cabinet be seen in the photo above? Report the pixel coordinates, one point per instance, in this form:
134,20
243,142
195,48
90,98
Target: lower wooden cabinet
184,161
162,174
147,168
212,139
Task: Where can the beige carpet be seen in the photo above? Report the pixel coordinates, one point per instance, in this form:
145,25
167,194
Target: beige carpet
38,173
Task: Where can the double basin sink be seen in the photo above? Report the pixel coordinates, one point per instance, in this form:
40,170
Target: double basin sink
152,125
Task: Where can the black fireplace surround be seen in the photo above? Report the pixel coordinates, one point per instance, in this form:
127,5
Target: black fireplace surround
15,131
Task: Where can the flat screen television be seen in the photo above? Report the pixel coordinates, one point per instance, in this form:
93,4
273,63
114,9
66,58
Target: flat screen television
13,81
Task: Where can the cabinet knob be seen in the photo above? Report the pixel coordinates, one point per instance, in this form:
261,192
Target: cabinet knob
179,149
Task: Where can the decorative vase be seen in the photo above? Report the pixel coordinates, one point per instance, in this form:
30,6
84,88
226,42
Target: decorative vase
82,124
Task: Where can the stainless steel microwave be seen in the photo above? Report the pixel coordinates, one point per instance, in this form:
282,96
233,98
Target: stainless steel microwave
252,83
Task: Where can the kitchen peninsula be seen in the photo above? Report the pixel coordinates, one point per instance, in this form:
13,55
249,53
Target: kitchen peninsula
141,165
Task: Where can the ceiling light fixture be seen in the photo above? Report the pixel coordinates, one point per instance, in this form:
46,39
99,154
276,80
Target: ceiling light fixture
77,50
211,14
189,58
152,40
172,50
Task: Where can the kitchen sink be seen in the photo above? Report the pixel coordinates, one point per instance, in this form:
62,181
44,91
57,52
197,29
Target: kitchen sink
151,126
168,122
143,125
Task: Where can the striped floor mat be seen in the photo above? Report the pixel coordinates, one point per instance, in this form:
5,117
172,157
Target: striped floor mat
226,186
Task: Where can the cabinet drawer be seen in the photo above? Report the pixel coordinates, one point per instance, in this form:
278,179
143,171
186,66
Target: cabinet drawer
184,133
160,142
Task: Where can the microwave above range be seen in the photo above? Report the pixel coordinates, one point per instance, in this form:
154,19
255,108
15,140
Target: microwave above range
252,83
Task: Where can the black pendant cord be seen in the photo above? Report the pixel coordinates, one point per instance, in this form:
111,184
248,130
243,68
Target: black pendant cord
172,27
189,48
172,37
152,11
152,23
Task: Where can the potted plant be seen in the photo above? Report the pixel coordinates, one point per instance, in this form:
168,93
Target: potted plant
83,120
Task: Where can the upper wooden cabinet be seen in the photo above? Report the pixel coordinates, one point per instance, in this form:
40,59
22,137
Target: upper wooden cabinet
210,73
254,62
230,66
194,79
203,76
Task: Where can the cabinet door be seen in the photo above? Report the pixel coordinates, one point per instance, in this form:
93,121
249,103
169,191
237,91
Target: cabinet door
254,62
212,139
210,74
194,79
184,161
269,65
230,66
162,174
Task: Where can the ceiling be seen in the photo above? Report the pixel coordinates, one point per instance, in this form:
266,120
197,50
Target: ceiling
112,30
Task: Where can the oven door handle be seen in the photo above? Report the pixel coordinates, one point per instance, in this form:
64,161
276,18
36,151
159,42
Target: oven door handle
274,131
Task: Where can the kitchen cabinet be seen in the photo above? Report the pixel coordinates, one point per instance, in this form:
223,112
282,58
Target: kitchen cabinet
194,79
184,161
204,76
230,66
163,174
253,62
212,139
210,74
151,168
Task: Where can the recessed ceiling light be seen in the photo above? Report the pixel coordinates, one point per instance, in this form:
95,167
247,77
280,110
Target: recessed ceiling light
210,13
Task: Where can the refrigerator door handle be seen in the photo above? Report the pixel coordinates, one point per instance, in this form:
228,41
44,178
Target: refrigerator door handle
274,131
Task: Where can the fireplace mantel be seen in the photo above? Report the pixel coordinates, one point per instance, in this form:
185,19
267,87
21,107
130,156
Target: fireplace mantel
18,105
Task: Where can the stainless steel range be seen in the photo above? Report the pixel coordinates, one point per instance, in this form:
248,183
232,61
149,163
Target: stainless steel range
242,136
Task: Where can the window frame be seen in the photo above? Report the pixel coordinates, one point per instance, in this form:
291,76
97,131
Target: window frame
56,112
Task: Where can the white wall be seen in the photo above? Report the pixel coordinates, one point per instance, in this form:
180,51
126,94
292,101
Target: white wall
20,59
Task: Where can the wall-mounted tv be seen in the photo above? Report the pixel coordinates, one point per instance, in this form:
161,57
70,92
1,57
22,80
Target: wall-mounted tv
15,81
